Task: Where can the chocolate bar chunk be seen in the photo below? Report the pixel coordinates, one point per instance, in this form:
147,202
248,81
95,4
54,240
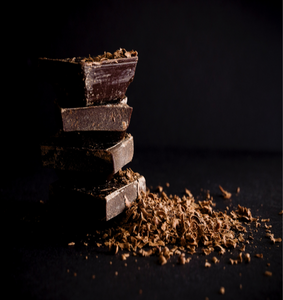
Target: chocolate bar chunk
110,117
97,159
98,202
79,82
85,139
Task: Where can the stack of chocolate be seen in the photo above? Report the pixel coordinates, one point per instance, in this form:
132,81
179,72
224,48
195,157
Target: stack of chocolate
91,145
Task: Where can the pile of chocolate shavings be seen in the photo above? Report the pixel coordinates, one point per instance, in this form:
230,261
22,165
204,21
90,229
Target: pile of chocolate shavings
170,225
120,53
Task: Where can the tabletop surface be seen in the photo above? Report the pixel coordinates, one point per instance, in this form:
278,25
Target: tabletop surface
39,264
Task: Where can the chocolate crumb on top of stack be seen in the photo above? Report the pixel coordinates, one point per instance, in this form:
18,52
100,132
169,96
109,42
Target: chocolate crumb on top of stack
120,53
92,143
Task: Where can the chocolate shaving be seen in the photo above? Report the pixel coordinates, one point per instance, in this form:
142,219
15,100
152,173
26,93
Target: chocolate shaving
162,260
226,195
207,264
182,259
215,260
120,53
259,255
247,257
125,256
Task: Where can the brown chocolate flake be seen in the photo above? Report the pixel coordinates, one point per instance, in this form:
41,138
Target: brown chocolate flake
125,256
265,220
247,257
268,273
233,261
116,273
167,184
225,194
71,244
188,192
257,224
268,264
215,260
146,253
162,260
208,197
259,255
241,238
159,188
120,53
244,213
238,190
182,259
207,264
222,290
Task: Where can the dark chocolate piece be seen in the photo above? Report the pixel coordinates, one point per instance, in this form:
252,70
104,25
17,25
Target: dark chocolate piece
85,139
83,83
100,202
98,159
110,117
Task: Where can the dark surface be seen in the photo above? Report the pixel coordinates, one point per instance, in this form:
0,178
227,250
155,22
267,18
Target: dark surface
37,256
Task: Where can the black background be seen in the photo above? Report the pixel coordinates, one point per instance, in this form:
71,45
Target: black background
207,99
208,76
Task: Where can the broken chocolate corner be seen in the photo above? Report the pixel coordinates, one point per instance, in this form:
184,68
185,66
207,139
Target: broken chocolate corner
89,81
103,202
